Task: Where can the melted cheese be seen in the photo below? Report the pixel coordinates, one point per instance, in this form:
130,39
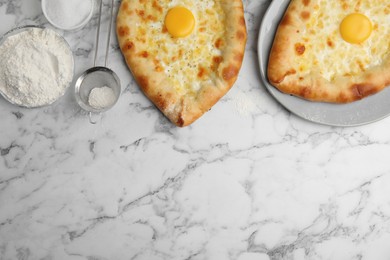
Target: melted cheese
328,54
189,62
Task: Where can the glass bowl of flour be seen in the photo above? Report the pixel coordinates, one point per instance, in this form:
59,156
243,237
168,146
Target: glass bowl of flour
36,66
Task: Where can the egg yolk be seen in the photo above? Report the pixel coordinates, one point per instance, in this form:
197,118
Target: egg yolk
180,22
355,28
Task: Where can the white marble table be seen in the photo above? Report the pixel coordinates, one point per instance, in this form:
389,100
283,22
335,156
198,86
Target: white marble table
247,181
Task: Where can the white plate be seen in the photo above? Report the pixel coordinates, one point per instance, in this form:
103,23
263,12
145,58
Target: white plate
367,110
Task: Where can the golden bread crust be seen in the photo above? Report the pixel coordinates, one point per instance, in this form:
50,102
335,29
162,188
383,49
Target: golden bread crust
285,74
180,106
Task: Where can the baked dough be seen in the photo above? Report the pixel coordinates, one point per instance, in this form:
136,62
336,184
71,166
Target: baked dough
183,77
309,58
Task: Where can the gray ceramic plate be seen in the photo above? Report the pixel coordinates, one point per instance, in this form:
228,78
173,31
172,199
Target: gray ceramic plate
361,112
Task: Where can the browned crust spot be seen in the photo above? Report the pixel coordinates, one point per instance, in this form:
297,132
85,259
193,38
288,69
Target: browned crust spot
125,6
329,42
238,57
180,120
287,20
242,21
144,54
287,73
162,100
305,92
216,61
140,13
230,72
143,81
300,49
129,45
360,91
202,72
241,35
218,43
157,6
123,31
305,15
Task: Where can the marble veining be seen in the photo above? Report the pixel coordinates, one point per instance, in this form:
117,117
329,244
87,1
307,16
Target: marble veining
247,181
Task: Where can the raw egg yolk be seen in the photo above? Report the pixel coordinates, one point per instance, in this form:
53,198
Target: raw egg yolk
355,28
180,22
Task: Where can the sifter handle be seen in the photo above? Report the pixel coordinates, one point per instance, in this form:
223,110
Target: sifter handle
109,32
97,33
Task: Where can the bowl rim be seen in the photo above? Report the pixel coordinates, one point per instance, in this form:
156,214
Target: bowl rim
76,27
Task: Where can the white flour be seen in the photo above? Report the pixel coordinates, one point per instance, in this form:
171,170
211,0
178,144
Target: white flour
36,66
68,13
100,98
243,104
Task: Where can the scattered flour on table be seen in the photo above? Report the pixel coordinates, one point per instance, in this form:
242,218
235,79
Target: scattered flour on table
36,67
243,104
100,98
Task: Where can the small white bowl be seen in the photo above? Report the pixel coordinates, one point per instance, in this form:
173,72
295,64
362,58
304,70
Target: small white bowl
52,20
